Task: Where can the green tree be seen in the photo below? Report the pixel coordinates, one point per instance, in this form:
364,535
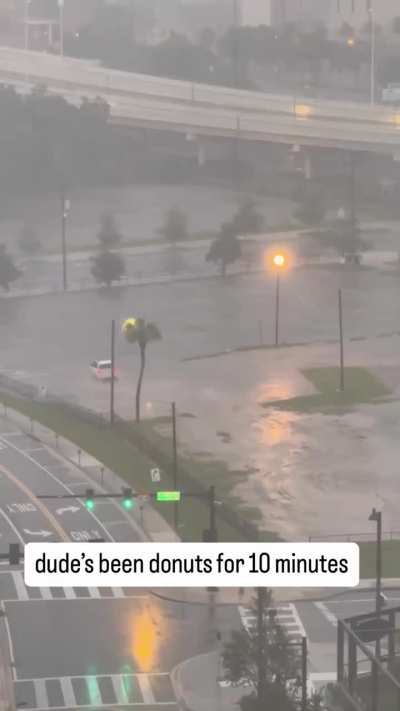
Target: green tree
107,267
8,271
175,227
137,330
226,248
28,241
108,235
263,656
247,220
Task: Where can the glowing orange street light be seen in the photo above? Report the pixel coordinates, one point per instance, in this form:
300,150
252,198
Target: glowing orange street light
351,41
279,260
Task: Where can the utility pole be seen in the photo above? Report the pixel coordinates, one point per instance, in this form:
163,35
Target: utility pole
112,384
277,306
212,526
61,25
175,463
304,672
65,206
371,11
341,340
376,516
261,641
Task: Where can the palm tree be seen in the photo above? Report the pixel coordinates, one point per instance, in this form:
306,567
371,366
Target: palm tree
137,330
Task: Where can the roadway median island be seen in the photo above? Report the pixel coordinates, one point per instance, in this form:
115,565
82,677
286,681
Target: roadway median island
132,450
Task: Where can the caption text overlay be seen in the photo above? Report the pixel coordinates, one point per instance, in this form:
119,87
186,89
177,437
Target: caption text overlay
191,564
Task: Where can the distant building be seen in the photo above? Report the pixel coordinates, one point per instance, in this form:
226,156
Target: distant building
254,12
334,13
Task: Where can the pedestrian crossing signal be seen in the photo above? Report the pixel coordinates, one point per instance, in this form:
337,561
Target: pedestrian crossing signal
89,500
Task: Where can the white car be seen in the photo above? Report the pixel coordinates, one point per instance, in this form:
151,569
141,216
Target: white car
391,94
102,370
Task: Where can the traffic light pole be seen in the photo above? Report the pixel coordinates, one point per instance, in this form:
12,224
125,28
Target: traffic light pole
211,501
112,384
175,464
64,239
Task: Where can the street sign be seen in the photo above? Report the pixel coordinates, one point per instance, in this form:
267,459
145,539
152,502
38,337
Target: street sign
168,496
155,475
373,629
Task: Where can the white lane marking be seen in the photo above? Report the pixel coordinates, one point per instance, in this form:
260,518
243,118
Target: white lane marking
361,600
46,593
11,434
325,612
10,642
93,691
118,592
41,693
146,690
20,586
68,691
94,592
68,509
323,676
69,593
298,620
119,690
41,534
13,527
35,449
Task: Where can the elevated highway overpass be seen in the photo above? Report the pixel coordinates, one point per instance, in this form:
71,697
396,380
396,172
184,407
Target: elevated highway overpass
209,110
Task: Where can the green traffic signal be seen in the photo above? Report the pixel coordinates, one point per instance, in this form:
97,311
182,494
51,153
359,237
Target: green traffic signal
127,502
89,500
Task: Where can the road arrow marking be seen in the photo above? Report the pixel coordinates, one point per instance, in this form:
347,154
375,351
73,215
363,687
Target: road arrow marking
42,534
71,509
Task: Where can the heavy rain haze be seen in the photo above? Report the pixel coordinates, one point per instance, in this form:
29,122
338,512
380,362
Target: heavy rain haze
200,342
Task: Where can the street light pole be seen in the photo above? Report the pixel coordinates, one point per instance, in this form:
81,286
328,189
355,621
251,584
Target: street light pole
61,25
277,299
340,307
26,24
261,641
175,462
65,205
373,51
112,384
377,517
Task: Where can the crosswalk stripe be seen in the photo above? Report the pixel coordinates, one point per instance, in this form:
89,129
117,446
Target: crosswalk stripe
93,691
119,689
94,592
41,693
69,593
118,592
68,691
46,593
145,688
20,585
